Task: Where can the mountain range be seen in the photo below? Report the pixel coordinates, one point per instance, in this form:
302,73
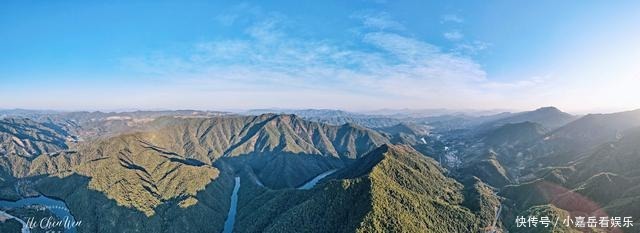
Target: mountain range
171,171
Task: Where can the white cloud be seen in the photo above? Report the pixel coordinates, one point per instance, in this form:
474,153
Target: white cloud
379,20
451,18
472,48
398,70
453,35
404,48
267,29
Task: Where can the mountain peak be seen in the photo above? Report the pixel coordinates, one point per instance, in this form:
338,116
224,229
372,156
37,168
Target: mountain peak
548,109
549,117
368,162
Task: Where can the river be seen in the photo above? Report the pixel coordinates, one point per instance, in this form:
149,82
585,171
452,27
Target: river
57,207
25,227
317,179
233,209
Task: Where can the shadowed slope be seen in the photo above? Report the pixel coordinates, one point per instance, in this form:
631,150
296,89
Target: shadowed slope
391,189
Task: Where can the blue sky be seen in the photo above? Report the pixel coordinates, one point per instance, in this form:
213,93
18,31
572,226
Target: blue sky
354,55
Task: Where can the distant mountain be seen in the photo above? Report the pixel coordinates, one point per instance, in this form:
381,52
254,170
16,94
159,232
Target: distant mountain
496,155
587,167
332,117
84,125
583,135
27,138
81,117
598,128
406,128
406,133
548,117
511,134
445,123
23,141
620,157
305,113
424,113
412,113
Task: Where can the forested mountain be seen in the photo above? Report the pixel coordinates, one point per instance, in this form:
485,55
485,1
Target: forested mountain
27,138
169,172
393,188
172,161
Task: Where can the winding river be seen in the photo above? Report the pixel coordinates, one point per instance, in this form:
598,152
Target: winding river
25,227
57,207
317,179
233,209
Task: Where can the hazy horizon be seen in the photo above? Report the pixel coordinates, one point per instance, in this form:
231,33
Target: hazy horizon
356,56
378,111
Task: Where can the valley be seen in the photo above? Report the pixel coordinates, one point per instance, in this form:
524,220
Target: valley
361,116
233,208
227,172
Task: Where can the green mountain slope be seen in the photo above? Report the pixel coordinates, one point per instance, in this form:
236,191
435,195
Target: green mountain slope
489,170
173,158
391,189
102,214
